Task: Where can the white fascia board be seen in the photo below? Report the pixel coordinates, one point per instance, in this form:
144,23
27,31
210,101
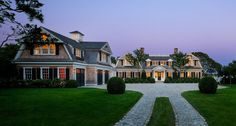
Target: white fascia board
19,52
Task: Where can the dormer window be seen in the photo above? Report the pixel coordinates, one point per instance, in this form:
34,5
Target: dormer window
46,49
78,53
122,62
195,62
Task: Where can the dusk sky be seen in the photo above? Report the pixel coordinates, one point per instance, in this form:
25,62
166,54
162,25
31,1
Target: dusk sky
157,25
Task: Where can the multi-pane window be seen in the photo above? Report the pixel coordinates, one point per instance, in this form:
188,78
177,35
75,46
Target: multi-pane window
104,57
78,53
45,73
46,49
62,73
28,73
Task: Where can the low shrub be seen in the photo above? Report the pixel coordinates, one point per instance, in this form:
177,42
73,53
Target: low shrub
41,83
139,80
57,83
181,80
71,84
116,85
208,85
151,80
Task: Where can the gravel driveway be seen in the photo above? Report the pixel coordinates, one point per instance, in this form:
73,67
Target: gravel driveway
140,114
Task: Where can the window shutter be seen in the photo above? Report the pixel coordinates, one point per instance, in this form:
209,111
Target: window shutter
57,49
82,54
33,73
67,73
21,74
55,73
75,51
38,73
100,56
50,74
150,63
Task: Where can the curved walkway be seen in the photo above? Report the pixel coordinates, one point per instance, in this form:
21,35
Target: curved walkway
140,114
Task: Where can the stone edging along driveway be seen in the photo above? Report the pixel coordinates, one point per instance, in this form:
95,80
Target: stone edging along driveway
140,114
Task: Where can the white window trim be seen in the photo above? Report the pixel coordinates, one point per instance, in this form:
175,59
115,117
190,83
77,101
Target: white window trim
41,71
58,73
24,76
48,54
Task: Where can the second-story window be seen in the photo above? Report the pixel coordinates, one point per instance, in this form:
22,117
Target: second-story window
103,57
46,49
195,62
78,53
122,62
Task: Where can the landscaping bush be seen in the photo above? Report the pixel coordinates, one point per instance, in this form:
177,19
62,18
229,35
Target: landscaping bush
140,80
115,85
208,85
181,80
71,84
40,83
57,83
151,80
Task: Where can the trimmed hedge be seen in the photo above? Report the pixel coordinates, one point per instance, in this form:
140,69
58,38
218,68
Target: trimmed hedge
116,85
181,80
208,85
56,83
140,80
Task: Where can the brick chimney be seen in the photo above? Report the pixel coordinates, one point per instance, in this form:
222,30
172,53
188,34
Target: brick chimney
176,50
77,36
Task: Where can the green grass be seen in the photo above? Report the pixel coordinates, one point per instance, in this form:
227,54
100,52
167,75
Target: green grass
162,114
63,107
218,109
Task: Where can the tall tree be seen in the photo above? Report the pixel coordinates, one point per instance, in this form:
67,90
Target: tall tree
137,58
113,60
180,59
9,10
7,53
207,62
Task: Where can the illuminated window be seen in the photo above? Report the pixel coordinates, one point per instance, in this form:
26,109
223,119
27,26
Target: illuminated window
148,74
45,73
28,73
148,64
46,49
44,37
188,74
62,73
182,74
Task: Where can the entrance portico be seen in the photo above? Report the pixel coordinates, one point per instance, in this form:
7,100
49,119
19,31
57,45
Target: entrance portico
159,73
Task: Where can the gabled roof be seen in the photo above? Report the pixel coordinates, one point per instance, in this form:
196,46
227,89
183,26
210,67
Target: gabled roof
63,38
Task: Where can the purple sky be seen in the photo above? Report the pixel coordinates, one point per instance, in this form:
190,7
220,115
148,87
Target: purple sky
158,25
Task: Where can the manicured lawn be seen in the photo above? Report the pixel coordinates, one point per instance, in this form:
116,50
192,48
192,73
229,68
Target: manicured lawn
162,114
63,107
218,109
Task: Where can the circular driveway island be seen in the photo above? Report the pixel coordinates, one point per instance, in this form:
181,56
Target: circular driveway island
140,114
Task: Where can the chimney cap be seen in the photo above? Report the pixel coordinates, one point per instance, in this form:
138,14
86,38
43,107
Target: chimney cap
77,32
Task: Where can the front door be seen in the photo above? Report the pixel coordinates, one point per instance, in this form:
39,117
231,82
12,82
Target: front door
159,76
